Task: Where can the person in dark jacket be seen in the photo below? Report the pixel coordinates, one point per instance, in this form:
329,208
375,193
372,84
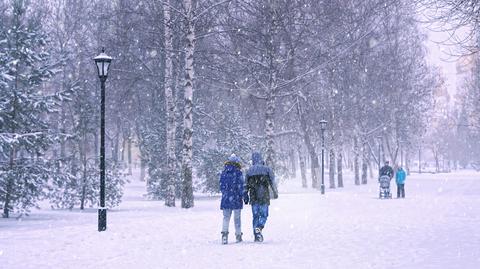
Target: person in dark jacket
400,177
232,188
259,178
386,170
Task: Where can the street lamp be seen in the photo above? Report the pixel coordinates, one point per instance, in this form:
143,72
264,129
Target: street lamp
420,157
102,61
379,151
323,127
401,152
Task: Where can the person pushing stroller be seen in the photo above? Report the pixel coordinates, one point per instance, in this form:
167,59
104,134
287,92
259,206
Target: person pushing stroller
385,176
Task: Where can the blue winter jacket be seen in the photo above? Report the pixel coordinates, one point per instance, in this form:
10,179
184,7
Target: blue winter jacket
231,186
400,176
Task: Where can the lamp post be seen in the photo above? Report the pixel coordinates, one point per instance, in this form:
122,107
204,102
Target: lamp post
323,127
401,153
102,61
420,157
379,151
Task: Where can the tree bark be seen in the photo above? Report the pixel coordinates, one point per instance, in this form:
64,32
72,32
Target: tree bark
314,165
269,128
6,205
331,172
143,167
340,169
170,107
303,170
364,164
187,188
356,165
129,153
293,163
83,156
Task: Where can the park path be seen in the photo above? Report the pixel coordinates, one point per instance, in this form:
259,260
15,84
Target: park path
435,227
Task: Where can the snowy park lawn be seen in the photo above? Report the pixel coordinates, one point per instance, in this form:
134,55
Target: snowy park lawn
436,226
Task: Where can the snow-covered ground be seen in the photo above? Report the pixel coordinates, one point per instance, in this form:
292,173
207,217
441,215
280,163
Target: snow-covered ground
436,226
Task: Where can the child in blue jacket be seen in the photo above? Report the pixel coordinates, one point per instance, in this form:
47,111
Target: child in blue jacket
400,180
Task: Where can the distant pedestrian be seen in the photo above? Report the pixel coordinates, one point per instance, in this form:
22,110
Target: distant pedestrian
401,176
386,170
259,178
385,175
232,188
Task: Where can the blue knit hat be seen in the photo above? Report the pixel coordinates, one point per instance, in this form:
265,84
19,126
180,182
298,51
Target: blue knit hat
233,158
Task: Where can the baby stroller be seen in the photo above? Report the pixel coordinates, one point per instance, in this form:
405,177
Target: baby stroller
384,187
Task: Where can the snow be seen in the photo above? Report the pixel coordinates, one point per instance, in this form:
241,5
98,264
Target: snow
436,226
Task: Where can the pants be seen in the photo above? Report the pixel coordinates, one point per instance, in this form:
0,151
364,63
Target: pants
260,215
400,190
227,213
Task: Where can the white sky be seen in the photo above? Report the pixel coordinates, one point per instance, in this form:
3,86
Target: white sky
438,56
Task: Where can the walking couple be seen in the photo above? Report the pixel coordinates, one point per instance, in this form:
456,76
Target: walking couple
254,190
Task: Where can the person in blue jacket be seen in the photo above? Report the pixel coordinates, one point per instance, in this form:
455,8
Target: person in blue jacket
232,188
400,180
259,178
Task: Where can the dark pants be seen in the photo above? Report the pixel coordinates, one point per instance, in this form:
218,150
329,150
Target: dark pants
400,190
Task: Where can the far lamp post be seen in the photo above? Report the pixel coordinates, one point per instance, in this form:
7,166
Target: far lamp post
323,127
102,61
379,152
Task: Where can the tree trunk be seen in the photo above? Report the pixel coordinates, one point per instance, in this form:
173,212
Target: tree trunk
170,107
129,154
116,144
293,163
331,171
10,183
83,156
187,188
437,161
314,165
356,165
123,150
370,170
303,170
364,164
269,128
13,155
340,169
143,167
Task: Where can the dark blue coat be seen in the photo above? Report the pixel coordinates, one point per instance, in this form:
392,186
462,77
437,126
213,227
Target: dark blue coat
259,178
231,186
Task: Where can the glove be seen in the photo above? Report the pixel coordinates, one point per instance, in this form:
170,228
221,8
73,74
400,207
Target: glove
246,199
275,195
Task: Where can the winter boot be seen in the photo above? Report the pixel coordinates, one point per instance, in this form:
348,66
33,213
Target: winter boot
224,238
258,234
238,237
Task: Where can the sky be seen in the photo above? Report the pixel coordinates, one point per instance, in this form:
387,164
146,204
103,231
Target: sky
440,54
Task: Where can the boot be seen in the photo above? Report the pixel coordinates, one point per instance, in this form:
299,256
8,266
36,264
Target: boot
238,237
224,238
258,234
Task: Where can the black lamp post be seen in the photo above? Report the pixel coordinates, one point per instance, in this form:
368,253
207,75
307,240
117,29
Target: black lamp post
401,153
102,61
323,127
420,157
379,152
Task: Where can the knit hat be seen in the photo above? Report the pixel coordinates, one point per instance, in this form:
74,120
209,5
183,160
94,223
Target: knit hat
233,158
